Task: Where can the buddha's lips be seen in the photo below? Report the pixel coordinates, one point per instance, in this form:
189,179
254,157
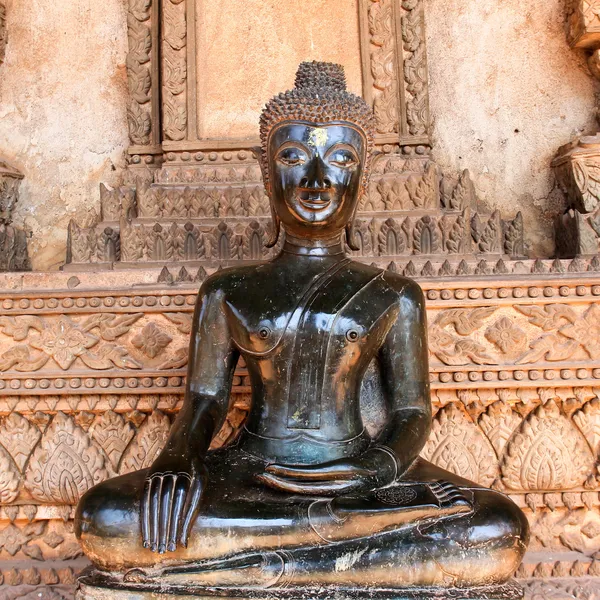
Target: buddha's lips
314,199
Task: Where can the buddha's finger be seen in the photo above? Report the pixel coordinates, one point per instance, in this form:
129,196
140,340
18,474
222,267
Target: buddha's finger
154,511
145,514
181,489
166,502
191,508
307,487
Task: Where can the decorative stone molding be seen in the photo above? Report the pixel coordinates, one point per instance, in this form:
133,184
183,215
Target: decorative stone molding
207,208
143,78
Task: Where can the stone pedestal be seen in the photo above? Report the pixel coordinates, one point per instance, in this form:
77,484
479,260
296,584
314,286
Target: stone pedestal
93,585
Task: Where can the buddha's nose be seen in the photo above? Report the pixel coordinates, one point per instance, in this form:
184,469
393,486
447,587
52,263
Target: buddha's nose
316,178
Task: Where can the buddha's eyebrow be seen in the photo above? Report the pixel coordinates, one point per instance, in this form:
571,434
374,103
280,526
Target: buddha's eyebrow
290,143
342,146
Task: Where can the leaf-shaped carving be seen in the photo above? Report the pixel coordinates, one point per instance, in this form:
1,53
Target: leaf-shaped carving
19,436
548,316
148,442
498,423
465,320
132,245
587,179
175,118
108,356
18,327
65,464
113,435
463,352
183,321
140,9
423,188
588,421
546,453
139,122
9,479
175,30
177,361
551,346
456,444
111,326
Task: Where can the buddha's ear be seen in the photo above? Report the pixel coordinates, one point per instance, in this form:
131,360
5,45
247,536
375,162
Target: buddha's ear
276,223
257,152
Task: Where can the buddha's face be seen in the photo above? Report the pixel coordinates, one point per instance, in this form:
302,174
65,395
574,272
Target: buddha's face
315,173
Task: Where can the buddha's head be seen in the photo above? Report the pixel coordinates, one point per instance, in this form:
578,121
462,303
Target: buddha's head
316,145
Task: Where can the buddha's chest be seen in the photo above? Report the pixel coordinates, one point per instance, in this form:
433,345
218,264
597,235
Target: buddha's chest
312,346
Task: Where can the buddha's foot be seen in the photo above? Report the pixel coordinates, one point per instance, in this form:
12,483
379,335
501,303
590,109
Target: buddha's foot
94,585
256,570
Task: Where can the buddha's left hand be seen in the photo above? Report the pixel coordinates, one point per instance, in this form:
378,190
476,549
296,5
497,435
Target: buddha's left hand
372,470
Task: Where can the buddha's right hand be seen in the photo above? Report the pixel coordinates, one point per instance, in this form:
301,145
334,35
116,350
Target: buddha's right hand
171,500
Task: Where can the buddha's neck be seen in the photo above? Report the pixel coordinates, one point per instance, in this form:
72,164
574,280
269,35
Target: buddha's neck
331,246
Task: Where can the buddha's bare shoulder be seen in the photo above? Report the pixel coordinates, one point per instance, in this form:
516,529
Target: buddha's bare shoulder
231,282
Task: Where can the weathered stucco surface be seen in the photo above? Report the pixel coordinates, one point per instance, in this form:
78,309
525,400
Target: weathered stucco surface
506,92
62,111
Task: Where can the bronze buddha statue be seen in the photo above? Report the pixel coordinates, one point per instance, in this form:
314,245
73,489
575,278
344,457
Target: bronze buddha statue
324,486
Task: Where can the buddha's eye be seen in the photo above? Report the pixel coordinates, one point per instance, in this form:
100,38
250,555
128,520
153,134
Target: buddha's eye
291,157
343,158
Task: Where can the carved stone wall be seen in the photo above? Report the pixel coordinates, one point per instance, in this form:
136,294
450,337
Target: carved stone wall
92,360
92,372
206,203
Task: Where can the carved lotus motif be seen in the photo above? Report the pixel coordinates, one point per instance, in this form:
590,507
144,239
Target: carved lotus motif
19,437
458,445
149,441
547,453
499,422
65,464
506,335
9,479
151,340
63,341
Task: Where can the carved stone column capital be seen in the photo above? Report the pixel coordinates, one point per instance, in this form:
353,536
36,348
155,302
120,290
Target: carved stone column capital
577,171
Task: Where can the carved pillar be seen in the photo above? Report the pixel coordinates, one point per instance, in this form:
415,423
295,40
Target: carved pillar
577,165
143,77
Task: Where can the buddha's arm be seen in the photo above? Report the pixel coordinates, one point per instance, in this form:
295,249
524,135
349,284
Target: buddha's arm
405,376
176,479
